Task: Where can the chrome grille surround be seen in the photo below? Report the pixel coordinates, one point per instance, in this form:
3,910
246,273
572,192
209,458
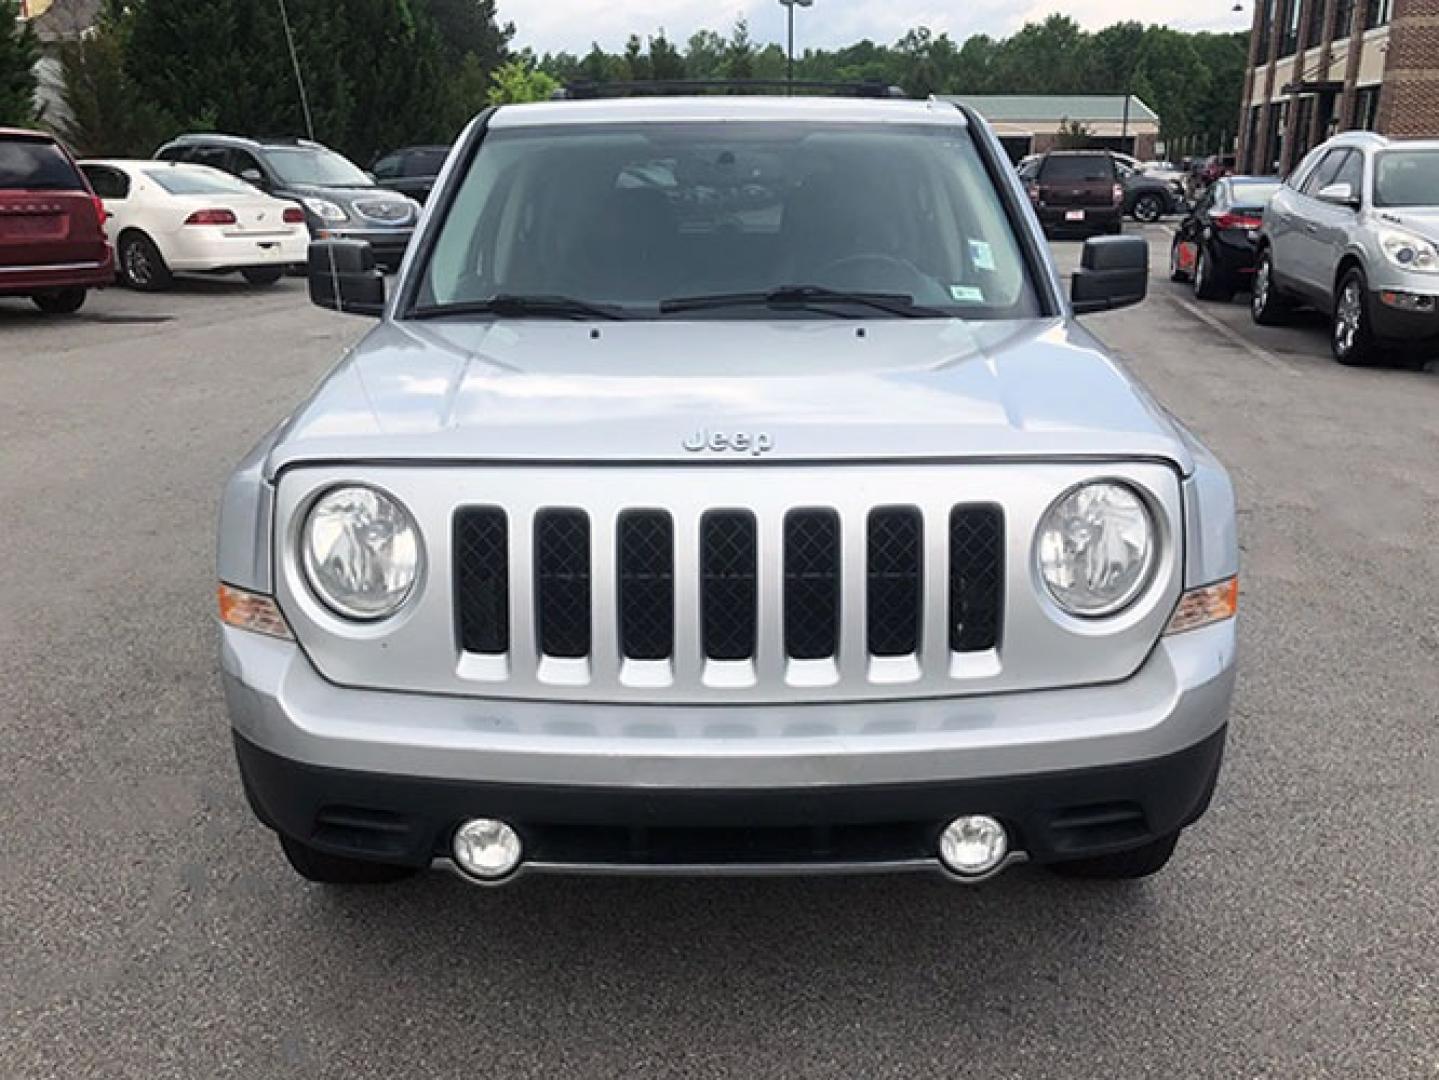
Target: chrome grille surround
420,649
385,211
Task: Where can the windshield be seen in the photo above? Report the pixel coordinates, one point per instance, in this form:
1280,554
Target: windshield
1407,178
198,180
633,216
323,168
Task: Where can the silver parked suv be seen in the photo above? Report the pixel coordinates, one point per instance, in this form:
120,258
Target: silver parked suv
1355,232
727,487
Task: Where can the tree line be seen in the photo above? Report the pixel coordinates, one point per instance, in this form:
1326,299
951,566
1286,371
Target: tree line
385,73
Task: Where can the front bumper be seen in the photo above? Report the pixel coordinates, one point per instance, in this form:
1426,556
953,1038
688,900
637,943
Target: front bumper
388,776
1401,316
389,245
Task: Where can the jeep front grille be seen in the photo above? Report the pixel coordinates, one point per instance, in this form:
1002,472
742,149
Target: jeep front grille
729,563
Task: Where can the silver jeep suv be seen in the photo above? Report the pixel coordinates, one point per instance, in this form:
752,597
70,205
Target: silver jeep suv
727,487
1354,232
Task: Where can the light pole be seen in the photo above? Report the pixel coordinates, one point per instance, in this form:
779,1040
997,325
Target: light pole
790,5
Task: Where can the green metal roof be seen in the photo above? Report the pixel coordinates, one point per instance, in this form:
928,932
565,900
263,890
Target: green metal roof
1052,108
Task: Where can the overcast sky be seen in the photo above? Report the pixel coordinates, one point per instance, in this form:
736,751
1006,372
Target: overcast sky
552,25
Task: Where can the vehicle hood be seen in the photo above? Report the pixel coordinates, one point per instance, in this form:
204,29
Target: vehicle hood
797,390
346,194
1423,220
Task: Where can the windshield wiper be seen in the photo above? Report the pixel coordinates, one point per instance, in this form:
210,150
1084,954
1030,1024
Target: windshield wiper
803,296
508,305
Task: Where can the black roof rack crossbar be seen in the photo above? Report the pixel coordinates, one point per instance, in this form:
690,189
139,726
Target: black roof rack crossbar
585,90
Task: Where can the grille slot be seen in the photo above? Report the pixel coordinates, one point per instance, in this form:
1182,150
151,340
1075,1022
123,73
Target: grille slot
562,576
728,584
894,579
646,585
976,578
482,580
811,584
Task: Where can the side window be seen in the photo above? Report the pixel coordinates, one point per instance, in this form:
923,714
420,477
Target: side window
174,153
1323,174
214,156
106,182
1351,172
387,168
242,161
425,162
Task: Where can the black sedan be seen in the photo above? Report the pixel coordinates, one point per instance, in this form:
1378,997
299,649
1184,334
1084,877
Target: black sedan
1215,244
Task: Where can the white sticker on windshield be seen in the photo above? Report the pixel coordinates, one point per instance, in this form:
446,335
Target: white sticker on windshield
981,254
966,294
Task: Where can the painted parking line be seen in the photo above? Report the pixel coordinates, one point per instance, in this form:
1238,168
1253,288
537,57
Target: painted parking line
1234,337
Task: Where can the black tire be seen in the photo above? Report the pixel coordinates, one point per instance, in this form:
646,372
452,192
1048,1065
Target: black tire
1210,281
1351,335
1148,208
141,265
1124,865
60,301
325,869
263,275
1268,306
1176,269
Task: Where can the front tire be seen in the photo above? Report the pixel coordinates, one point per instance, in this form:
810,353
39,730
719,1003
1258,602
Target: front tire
60,302
1148,208
325,869
1267,305
263,275
141,265
1352,334
1124,865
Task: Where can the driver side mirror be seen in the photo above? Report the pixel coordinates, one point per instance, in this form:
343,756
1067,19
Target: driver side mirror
1113,273
1341,194
344,278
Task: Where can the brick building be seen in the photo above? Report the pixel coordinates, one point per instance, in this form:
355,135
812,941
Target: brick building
1317,67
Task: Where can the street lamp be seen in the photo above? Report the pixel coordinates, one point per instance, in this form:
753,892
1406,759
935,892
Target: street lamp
790,5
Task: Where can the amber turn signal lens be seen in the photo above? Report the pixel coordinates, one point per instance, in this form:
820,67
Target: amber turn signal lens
1205,605
253,612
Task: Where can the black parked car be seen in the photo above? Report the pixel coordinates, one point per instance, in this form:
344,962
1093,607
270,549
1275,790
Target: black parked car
1215,245
1147,198
341,201
411,170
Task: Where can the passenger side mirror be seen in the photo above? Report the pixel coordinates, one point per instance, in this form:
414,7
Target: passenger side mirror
253,176
1340,194
344,278
1113,273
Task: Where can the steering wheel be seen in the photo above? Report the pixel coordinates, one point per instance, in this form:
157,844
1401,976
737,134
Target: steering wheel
890,273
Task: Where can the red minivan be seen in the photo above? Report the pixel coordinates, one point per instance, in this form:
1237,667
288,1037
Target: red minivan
52,227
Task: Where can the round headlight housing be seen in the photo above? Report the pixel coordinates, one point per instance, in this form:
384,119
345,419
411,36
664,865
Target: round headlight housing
1096,549
361,552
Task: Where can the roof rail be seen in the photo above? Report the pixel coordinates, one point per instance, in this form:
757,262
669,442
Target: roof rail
588,90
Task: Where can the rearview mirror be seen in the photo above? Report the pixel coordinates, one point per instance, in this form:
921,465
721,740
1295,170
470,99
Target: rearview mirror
1113,273
344,278
1341,194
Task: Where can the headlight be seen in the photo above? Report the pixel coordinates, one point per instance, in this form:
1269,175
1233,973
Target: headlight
361,552
1409,252
326,210
1095,549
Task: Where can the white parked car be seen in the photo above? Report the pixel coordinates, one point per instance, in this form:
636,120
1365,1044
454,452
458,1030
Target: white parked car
167,218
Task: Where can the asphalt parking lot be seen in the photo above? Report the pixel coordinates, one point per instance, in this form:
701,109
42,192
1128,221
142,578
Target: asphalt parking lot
149,927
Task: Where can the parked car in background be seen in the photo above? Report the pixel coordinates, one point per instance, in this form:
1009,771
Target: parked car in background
1077,192
1146,198
340,199
52,237
411,171
1215,245
169,217
1354,232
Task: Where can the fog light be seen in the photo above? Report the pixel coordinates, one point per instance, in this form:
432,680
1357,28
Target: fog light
486,849
974,845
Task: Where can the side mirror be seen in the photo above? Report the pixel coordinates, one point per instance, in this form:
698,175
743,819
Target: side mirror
344,278
254,177
1113,273
1340,195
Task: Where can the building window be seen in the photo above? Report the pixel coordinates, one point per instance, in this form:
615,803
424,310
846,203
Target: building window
1302,123
1343,17
1278,115
1251,141
1377,13
1366,108
1314,33
1289,44
1266,29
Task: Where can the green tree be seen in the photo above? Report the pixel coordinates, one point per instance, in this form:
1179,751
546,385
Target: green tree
517,82
19,53
705,55
598,66
739,52
636,61
105,113
666,63
471,28
1073,135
